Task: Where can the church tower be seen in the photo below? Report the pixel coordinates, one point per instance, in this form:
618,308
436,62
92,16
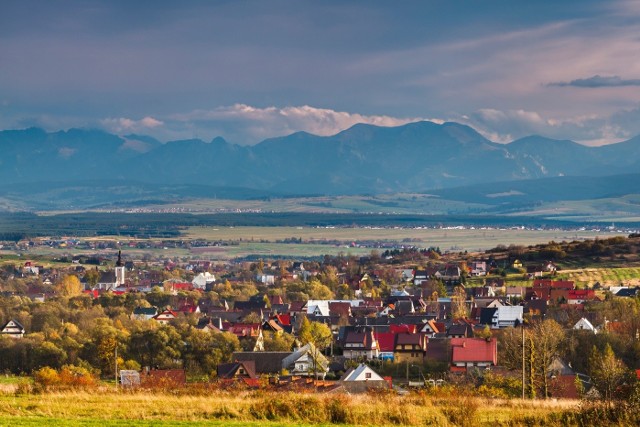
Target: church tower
119,271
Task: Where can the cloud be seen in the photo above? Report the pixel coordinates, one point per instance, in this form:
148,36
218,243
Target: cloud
591,129
245,124
123,124
598,81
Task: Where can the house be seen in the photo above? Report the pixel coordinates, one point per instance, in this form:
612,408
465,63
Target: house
144,313
237,370
361,345
430,329
362,379
202,280
266,362
165,317
386,344
580,296
467,353
410,348
502,316
584,325
306,361
627,292
12,329
478,268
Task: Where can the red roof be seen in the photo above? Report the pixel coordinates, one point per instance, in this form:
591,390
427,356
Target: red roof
386,341
474,350
556,284
582,294
396,329
283,319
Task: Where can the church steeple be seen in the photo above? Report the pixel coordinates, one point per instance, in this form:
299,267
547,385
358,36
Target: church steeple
119,271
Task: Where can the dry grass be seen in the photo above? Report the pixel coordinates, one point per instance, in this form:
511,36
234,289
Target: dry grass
257,408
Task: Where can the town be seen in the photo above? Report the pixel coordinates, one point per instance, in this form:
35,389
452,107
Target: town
508,321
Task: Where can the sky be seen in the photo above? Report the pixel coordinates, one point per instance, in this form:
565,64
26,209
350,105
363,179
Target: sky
249,70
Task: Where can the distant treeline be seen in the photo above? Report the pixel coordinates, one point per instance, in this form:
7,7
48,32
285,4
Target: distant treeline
16,226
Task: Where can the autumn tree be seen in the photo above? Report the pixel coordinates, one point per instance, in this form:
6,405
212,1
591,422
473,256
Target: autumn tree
69,286
459,307
315,333
608,373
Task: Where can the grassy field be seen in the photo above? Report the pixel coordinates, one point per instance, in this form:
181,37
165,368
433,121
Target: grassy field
269,409
605,276
453,239
262,241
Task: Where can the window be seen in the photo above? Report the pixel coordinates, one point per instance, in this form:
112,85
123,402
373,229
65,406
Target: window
367,375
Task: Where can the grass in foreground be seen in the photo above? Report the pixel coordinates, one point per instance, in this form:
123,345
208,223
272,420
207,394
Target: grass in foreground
273,409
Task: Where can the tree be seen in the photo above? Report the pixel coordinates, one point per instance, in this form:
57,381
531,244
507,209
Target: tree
317,334
70,286
459,308
608,373
278,342
548,336
92,276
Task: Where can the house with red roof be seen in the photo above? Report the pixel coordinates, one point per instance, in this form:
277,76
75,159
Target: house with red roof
386,344
467,353
580,296
165,316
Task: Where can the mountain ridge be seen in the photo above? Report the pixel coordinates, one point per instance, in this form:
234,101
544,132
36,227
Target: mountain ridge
414,157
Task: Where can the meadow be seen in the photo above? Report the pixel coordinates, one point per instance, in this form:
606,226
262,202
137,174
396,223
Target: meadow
447,239
259,408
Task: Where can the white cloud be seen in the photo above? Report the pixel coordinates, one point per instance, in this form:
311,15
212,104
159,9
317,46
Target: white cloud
250,124
123,124
590,129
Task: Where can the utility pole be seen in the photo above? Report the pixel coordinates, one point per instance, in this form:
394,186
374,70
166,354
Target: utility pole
116,364
523,366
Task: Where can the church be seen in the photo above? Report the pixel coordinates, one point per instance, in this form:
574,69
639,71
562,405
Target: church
109,280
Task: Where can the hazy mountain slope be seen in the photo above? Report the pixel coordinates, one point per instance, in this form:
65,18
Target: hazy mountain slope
416,157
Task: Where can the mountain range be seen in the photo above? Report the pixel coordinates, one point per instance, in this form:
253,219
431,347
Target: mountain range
364,159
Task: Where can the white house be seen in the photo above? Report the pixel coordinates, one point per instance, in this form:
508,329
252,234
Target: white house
12,329
305,361
506,316
584,325
361,373
202,280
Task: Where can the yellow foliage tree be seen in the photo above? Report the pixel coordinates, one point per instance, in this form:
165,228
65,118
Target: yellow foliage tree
70,286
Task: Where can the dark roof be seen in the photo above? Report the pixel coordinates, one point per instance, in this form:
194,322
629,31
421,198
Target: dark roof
229,370
464,329
627,292
18,324
486,315
266,362
148,311
438,350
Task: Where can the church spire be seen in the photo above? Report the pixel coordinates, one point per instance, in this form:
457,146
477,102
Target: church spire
119,262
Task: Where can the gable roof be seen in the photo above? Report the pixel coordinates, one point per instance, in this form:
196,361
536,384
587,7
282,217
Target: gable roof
385,341
474,350
229,370
266,362
360,374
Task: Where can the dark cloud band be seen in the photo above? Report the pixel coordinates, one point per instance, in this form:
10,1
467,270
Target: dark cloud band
598,81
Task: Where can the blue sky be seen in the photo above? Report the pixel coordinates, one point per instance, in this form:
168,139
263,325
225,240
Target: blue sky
249,70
